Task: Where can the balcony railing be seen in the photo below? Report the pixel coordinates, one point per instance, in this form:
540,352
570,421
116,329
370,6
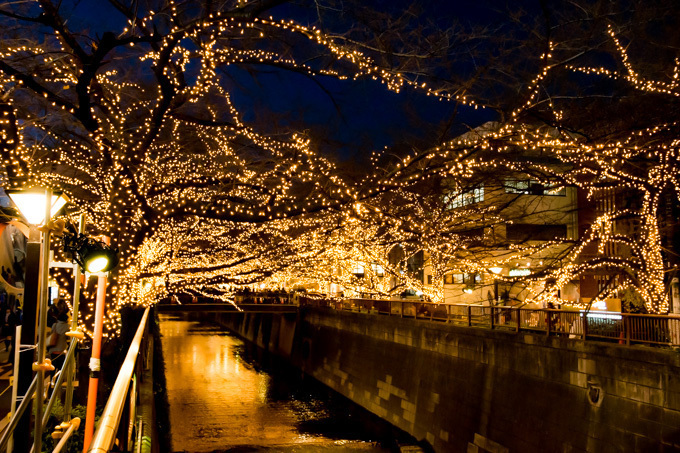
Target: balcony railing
622,328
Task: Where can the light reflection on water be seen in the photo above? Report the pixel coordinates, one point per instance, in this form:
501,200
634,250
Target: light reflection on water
220,401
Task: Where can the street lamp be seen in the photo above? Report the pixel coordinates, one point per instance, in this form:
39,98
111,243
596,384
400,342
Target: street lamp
32,204
92,256
37,206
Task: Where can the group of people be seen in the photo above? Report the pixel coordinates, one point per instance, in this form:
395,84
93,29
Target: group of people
8,276
57,321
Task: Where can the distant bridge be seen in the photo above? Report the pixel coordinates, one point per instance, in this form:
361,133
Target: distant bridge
221,308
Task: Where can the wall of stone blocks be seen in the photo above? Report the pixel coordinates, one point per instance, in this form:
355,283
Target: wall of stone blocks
466,389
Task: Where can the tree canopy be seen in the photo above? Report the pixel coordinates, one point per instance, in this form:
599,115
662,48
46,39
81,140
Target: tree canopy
163,121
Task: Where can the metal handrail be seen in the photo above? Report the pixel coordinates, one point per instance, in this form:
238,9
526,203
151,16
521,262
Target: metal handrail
57,385
74,424
6,435
105,435
9,429
624,328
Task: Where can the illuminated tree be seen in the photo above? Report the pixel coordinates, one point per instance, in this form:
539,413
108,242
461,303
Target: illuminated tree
458,205
138,127
140,124
601,120
630,168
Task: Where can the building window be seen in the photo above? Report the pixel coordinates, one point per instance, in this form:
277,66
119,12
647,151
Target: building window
605,282
452,279
531,232
458,200
519,272
429,279
378,270
533,187
358,270
472,278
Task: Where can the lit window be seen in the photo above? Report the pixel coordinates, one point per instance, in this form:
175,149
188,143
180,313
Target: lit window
473,278
452,279
458,200
519,272
533,187
517,186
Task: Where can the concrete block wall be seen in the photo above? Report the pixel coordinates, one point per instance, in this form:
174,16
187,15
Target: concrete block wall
464,389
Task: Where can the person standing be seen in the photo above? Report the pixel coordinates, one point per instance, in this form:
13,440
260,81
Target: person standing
13,320
58,339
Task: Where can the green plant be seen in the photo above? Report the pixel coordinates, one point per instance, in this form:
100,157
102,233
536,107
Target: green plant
75,442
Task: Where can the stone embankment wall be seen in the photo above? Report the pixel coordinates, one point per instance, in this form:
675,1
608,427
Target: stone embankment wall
465,389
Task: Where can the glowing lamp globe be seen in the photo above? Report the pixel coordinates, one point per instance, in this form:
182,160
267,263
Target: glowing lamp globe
97,257
93,256
98,263
32,203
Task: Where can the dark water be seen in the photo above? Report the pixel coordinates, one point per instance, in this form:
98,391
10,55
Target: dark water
225,396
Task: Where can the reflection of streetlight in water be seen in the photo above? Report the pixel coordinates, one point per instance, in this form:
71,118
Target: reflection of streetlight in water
227,401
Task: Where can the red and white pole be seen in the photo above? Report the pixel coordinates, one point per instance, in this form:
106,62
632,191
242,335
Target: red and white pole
95,364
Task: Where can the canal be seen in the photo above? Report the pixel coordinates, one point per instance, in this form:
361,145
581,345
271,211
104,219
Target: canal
225,395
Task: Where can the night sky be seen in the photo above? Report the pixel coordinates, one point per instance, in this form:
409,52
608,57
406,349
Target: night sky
368,116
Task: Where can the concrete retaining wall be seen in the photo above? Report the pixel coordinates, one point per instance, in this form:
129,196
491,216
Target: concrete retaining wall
465,389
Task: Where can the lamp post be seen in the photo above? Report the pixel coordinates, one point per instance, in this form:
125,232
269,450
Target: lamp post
95,366
70,367
94,257
37,206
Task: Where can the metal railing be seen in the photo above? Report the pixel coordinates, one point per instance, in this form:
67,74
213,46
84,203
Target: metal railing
120,397
26,400
622,328
105,436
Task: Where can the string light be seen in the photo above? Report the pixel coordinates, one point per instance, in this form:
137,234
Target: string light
167,167
195,197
